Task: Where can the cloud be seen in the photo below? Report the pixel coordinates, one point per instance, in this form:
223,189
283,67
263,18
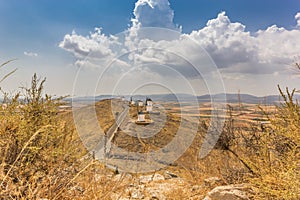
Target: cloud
232,48
95,45
153,13
297,17
236,50
30,54
277,45
228,43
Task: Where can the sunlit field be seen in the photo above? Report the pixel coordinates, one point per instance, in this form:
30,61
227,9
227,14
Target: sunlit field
43,157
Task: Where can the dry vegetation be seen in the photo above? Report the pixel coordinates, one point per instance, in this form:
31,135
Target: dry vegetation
42,157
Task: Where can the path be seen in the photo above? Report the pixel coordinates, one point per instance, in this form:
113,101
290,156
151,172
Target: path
110,134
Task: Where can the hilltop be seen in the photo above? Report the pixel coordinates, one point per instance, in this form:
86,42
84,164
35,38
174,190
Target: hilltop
130,139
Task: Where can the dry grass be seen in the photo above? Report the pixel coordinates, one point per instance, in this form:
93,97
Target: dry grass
42,156
277,162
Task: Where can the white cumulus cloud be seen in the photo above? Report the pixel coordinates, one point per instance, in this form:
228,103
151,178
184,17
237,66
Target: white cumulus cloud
95,45
236,50
228,43
233,49
153,13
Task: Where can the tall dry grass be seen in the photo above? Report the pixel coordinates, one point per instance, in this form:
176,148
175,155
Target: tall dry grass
277,160
41,154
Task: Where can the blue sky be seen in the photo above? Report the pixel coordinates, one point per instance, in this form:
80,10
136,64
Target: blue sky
32,30
254,14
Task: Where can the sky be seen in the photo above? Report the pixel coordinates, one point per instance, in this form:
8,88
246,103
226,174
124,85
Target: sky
194,46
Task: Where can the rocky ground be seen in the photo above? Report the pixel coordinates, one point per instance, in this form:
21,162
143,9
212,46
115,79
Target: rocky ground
168,185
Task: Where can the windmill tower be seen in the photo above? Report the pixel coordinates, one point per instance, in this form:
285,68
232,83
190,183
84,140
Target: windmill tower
141,117
149,105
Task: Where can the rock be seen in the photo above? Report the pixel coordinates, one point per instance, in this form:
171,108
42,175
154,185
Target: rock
155,194
78,189
169,175
229,192
149,178
137,194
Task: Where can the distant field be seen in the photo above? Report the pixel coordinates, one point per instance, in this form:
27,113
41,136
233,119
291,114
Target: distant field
242,113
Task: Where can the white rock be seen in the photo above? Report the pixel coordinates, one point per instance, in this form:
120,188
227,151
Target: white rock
229,192
137,194
149,178
156,193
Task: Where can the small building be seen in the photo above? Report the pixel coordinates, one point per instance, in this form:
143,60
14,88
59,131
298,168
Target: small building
64,108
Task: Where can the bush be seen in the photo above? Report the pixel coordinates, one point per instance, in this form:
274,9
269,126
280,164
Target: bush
276,161
39,151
